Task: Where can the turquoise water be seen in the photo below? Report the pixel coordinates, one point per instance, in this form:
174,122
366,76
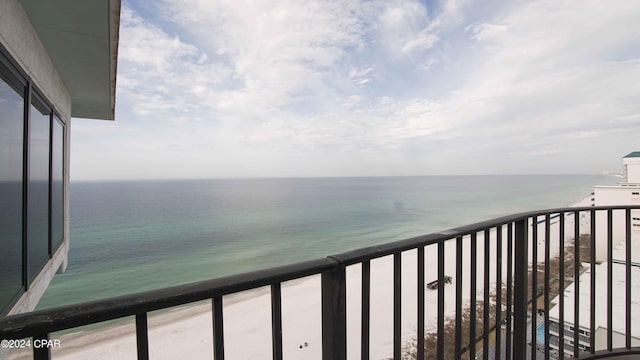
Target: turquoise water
130,236
540,334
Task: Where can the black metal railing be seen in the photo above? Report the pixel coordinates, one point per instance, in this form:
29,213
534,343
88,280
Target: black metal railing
498,292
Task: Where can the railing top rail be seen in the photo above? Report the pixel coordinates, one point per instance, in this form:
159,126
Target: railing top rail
70,316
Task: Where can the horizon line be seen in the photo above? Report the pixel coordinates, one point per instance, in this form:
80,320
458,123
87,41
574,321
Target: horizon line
331,177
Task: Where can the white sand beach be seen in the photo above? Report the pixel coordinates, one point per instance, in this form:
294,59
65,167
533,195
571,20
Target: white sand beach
186,332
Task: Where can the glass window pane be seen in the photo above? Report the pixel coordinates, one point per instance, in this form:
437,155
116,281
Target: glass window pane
57,188
38,192
11,159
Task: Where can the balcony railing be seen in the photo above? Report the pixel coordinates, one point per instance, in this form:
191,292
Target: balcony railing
531,256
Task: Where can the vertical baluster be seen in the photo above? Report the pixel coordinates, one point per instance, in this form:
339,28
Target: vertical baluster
366,309
458,353
42,352
547,267
561,287
498,327
576,285
142,336
441,284
508,333
397,306
334,313
609,279
534,286
592,287
520,289
472,295
628,278
276,321
420,302
485,292
218,329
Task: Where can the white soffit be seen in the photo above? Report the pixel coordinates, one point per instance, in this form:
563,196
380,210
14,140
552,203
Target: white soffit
81,37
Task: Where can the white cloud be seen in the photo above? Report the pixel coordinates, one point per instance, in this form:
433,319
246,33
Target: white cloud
405,27
424,40
344,87
148,46
361,76
277,49
487,31
159,72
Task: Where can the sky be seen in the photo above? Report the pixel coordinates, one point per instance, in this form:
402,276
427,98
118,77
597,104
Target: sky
290,88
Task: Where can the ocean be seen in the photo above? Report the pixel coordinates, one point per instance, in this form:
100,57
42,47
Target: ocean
131,236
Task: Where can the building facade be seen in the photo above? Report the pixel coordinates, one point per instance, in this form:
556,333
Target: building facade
627,192
631,168
585,312
57,61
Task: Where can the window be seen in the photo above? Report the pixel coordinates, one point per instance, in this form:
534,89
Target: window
32,141
57,183
11,178
38,188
